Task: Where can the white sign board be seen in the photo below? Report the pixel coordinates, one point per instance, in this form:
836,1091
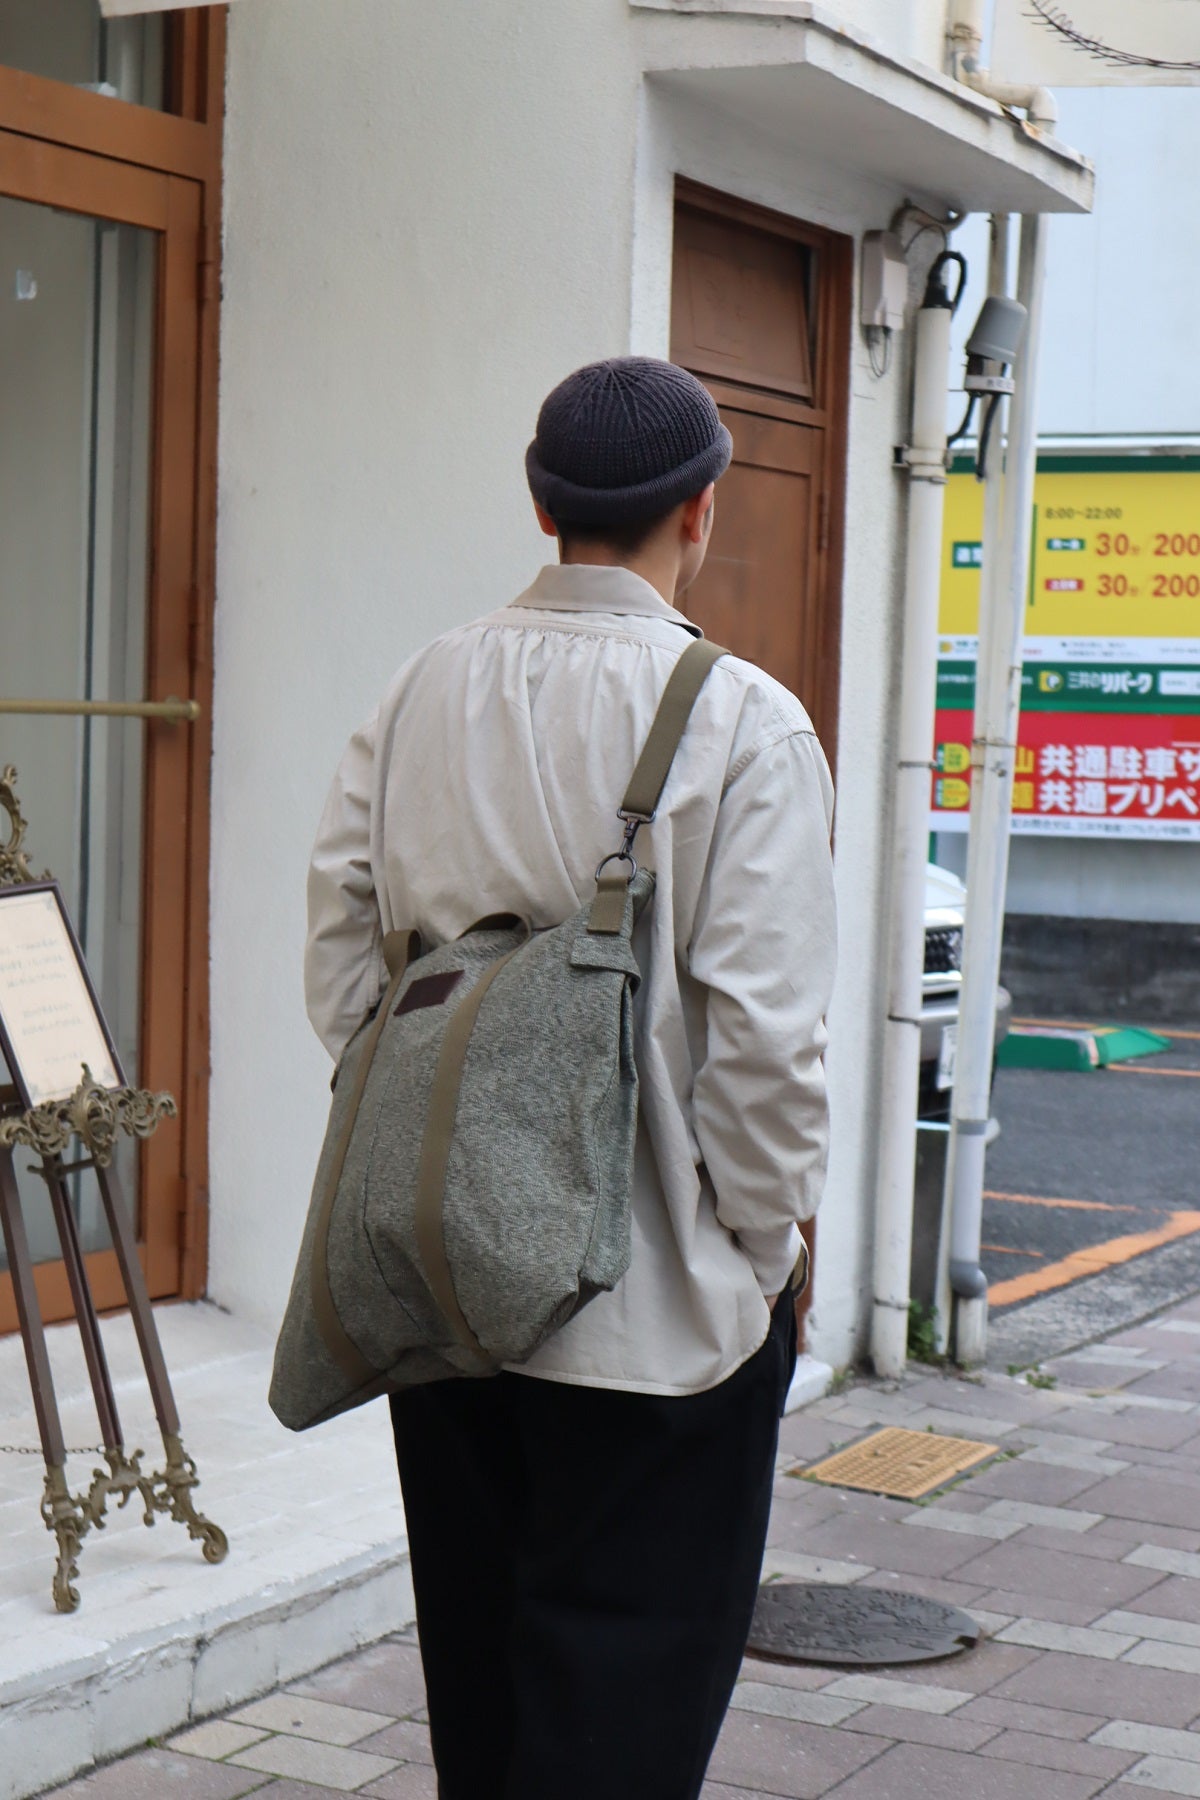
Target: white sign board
50,1024
1097,43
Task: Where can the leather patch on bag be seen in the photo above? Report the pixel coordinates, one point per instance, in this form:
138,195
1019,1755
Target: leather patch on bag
429,990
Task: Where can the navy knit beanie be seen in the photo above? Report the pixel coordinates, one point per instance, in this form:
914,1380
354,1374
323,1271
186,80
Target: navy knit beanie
625,440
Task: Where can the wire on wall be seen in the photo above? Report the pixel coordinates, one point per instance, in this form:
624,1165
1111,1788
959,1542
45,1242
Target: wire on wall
879,349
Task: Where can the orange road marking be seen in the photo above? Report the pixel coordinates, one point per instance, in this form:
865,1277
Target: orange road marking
1091,1025
1092,1260
1062,1024
1133,1069
1072,1205
1007,1250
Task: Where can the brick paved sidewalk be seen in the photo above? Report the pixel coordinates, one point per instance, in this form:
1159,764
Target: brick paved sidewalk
1078,1550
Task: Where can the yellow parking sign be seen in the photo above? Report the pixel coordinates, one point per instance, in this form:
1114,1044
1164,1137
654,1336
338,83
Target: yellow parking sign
1110,695
1116,550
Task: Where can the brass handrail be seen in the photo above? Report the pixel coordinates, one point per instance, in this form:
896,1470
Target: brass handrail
175,712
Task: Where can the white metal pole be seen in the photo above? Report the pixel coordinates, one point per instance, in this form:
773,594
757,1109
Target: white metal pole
992,574
926,463
993,757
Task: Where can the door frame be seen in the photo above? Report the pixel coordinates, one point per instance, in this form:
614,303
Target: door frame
92,154
828,411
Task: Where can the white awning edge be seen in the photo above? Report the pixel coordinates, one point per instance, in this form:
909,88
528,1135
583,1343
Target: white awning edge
788,69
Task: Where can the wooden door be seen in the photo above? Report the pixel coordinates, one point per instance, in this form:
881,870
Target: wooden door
760,311
107,499
756,591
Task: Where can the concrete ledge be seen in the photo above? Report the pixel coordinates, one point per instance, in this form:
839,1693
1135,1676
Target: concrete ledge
812,1381
1085,1312
794,71
318,1561
151,1686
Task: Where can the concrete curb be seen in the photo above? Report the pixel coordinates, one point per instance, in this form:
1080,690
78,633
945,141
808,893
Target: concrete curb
812,1381
1088,1310
159,1681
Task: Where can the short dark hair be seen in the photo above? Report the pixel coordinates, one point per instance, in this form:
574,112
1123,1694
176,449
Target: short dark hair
625,536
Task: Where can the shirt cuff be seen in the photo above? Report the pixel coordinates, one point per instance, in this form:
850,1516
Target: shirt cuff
772,1255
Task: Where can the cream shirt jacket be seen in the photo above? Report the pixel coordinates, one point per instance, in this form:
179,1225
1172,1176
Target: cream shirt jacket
488,781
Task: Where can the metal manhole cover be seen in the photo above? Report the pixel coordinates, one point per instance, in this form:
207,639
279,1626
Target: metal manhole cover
816,1622
906,1464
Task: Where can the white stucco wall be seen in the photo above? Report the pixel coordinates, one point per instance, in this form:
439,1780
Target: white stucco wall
913,28
424,230
1155,883
1075,878
426,227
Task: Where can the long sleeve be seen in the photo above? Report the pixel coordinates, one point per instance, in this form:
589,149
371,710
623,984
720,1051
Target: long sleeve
343,958
764,946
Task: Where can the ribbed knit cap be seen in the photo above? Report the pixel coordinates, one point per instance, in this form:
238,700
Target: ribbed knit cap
625,440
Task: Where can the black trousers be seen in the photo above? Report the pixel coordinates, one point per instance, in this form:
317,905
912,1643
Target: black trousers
585,1564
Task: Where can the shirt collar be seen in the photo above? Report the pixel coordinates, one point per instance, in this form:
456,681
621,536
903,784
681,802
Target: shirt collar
599,588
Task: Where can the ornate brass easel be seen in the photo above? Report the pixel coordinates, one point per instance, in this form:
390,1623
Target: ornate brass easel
93,1116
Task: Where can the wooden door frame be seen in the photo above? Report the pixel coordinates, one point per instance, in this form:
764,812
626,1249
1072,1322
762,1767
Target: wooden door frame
162,169
829,412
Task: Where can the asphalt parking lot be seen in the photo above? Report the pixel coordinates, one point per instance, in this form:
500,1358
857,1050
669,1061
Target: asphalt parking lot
1092,1209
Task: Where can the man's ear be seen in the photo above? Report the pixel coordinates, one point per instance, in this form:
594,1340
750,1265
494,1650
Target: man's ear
696,513
545,521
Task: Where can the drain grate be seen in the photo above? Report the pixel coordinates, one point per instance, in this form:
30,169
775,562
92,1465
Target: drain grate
904,1464
816,1622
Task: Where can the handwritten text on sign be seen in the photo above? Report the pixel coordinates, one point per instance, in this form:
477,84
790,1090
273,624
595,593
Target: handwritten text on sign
48,1014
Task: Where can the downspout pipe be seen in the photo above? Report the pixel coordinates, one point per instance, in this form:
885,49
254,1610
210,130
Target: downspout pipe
967,1280
924,459
964,39
993,759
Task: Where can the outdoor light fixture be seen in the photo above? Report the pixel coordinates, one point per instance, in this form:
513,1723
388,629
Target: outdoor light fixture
992,350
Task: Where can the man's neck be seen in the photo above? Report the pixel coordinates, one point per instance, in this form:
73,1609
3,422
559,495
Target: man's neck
657,564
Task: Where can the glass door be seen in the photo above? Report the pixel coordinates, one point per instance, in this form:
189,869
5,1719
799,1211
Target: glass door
99,316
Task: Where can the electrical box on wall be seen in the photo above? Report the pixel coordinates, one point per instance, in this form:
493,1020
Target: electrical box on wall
884,281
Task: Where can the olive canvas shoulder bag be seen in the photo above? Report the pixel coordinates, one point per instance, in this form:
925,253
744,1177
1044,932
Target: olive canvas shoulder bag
474,1187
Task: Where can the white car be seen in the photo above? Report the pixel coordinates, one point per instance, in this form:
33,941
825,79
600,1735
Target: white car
945,906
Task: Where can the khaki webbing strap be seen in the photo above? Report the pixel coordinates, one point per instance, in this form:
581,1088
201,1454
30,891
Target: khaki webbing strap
608,908
399,950
670,722
650,777
429,1205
